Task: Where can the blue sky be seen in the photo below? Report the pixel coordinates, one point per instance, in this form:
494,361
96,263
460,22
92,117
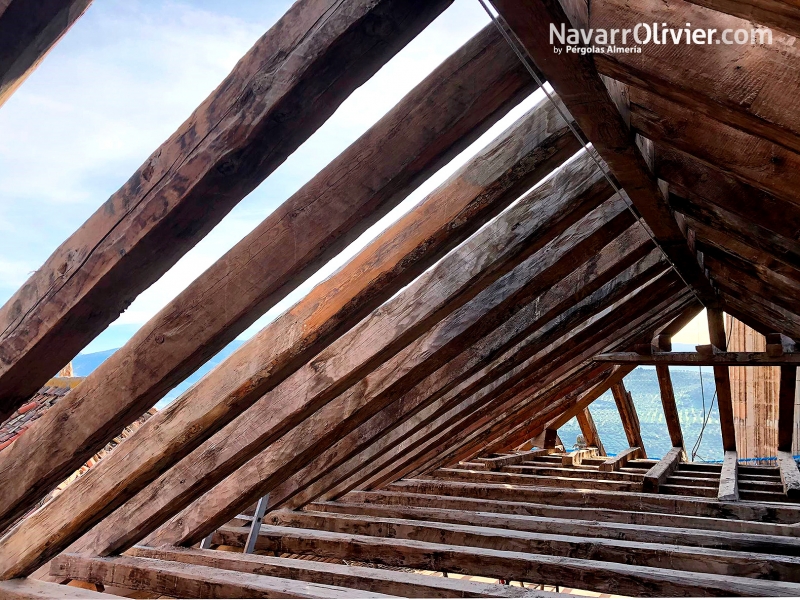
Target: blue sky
123,79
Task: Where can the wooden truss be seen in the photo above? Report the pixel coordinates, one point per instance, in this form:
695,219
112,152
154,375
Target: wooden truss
402,418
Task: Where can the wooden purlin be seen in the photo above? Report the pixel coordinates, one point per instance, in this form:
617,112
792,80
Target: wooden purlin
28,31
338,303
779,14
278,94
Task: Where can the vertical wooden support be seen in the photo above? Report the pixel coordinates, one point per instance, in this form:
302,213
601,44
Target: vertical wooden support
729,478
664,344
716,332
786,397
589,431
627,412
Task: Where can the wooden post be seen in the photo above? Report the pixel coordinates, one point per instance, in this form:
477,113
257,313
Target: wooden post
627,413
663,343
716,331
589,431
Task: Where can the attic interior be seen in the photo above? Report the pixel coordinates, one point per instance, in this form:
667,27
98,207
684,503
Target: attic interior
396,431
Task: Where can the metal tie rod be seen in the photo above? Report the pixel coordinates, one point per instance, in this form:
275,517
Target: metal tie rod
255,528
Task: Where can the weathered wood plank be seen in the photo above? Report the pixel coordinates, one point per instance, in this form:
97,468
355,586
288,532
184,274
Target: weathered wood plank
746,86
409,585
278,94
482,263
786,399
620,460
524,479
577,83
459,500
579,522
32,589
28,30
790,475
181,580
779,14
583,574
729,478
513,459
662,470
628,415
716,333
235,290
665,556
589,431
643,502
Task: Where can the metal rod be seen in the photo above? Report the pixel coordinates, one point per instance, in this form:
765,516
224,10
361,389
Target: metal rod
255,526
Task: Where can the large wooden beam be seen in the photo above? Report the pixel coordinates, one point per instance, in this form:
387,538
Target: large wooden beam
403,148
659,473
620,460
786,399
457,282
385,581
278,94
757,161
28,30
577,83
790,475
628,415
583,574
749,86
589,431
182,580
33,589
715,359
729,478
716,333
781,14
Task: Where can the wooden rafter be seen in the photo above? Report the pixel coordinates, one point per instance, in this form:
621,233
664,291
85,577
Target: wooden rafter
627,413
716,332
781,14
589,430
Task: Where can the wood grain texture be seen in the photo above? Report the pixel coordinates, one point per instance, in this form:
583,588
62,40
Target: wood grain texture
790,475
28,31
181,580
786,399
729,478
718,338
657,475
32,589
780,14
573,572
589,430
627,414
620,460
749,86
397,583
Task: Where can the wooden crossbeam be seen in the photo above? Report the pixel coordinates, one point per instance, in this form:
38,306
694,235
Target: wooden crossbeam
628,415
729,478
277,95
541,518
716,333
459,277
689,73
400,150
620,460
577,83
589,431
575,458
28,30
596,575
513,459
183,580
657,475
397,583
716,359
780,14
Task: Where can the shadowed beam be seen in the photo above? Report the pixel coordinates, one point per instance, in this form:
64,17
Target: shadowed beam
780,14
589,431
716,332
463,96
786,400
577,83
664,343
28,31
628,415
277,95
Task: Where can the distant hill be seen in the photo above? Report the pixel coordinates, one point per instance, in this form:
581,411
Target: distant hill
83,364
642,383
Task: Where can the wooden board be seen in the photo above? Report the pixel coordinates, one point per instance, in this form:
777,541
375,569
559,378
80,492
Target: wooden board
28,30
181,580
351,193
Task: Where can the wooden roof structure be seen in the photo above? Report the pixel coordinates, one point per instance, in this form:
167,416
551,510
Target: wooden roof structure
403,415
